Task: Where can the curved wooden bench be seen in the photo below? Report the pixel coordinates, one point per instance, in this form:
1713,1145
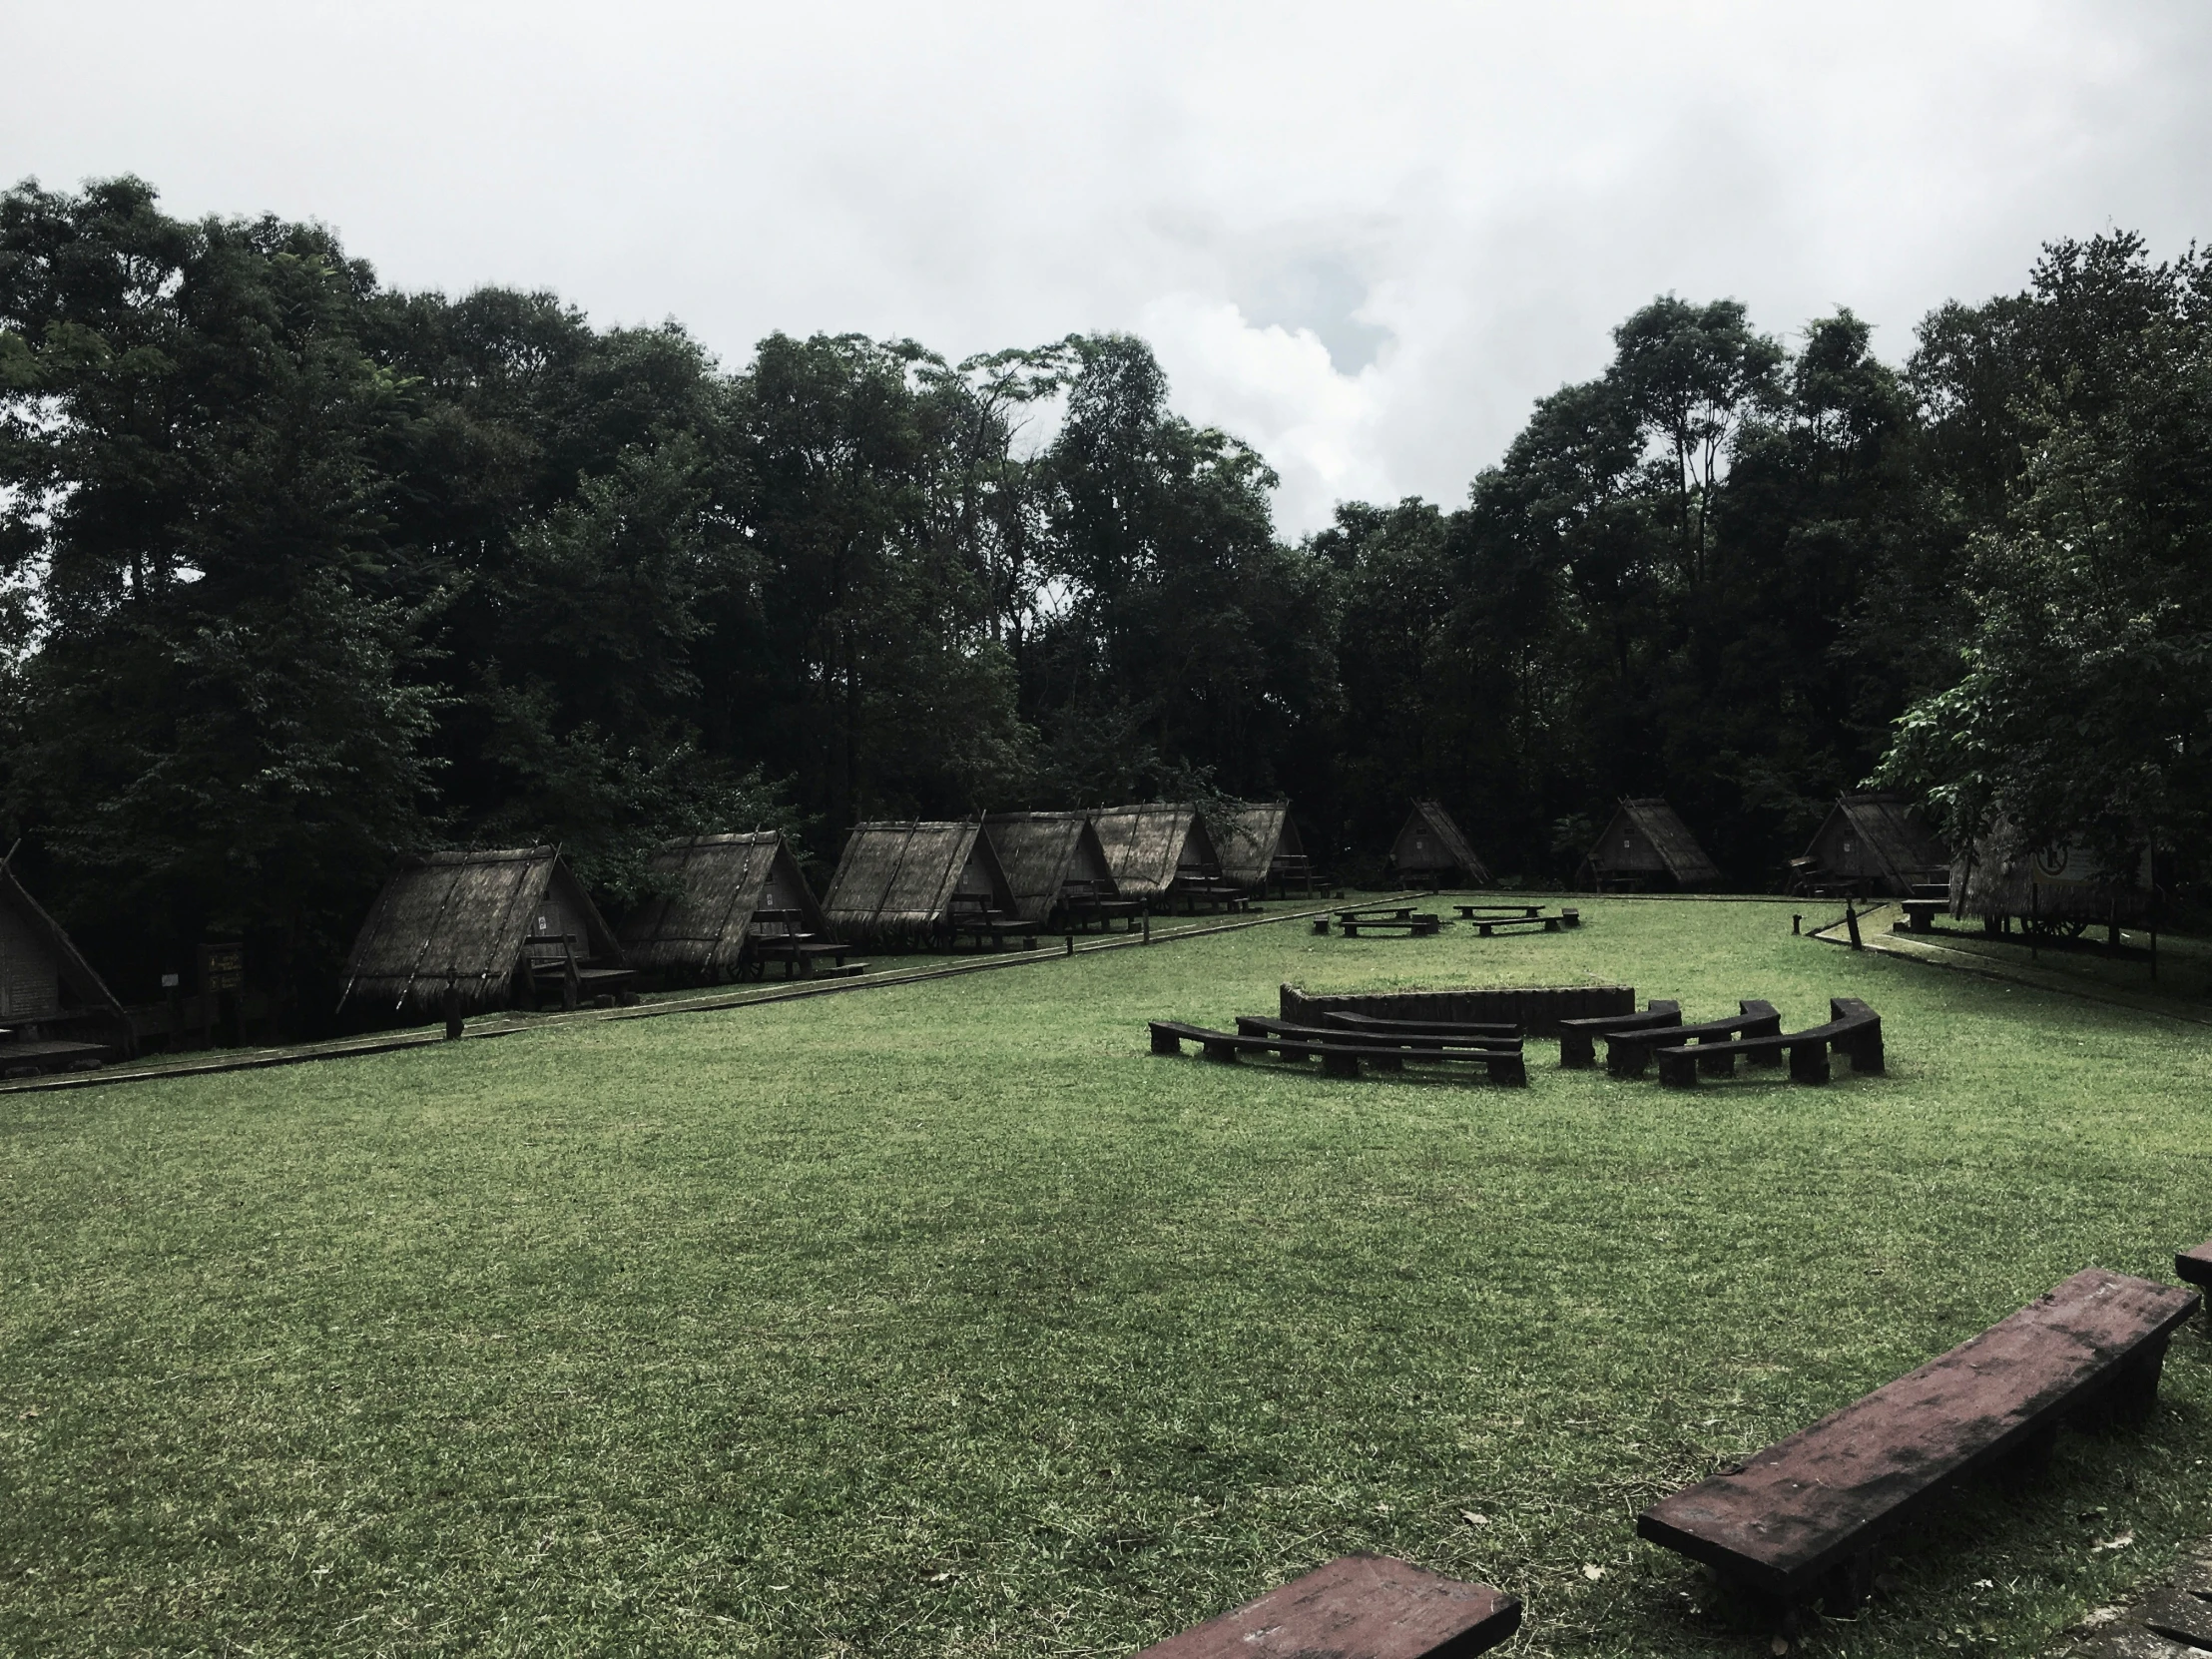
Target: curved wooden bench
1579,1038
1356,1607
1392,1046
1337,1059
1853,1029
1350,1020
1628,1053
1803,1518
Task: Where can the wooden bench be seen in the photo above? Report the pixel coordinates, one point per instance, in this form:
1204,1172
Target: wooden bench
1356,1607
2191,1265
1515,924
1412,926
1579,1038
1476,913
1390,1050
1853,1029
1337,1059
1920,914
1803,1518
572,977
1628,1053
1348,1020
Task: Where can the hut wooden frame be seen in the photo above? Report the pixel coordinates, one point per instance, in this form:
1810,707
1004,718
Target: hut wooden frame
467,920
700,926
1042,853
73,977
1150,848
895,881
1430,847
1657,844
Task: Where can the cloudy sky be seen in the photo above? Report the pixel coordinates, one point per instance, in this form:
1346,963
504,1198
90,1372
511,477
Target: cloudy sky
1363,238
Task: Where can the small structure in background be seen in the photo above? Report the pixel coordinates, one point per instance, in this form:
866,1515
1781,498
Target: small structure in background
1056,869
922,883
1871,844
1431,849
1162,853
1260,847
2054,892
501,927
1644,846
56,1012
730,905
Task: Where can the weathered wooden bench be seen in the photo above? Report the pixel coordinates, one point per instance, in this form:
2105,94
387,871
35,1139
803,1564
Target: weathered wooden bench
1802,1519
1350,1020
800,954
1853,1029
1337,1059
1920,914
1628,1053
1356,1607
1516,925
1476,912
1412,926
1393,1048
1579,1038
2193,1265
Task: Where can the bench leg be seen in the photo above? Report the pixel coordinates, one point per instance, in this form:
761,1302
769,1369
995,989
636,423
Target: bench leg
2030,1460
1866,1053
1226,1053
1510,1070
1716,1065
1677,1071
1848,1583
1809,1062
1626,1060
2133,1395
1166,1043
1577,1052
1339,1065
1320,925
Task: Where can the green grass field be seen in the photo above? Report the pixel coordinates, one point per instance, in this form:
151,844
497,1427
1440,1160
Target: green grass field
944,1320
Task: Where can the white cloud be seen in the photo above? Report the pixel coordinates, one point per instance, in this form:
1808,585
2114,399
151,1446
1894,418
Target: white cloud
1364,238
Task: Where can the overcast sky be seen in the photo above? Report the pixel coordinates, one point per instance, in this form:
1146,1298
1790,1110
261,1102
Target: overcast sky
1361,236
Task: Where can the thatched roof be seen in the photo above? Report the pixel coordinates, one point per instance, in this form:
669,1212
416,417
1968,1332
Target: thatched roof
74,977
2061,884
1147,847
1042,853
1892,836
1657,826
895,881
1251,837
713,885
467,917
1431,841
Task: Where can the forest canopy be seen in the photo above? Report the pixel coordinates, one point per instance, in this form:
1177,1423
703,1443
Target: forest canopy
301,574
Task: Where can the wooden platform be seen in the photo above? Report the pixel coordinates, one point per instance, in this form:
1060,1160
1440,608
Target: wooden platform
1804,1517
1356,1607
35,1058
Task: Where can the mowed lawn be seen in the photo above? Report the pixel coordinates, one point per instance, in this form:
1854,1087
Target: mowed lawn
944,1320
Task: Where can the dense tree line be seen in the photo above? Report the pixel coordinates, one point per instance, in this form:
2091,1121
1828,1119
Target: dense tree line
300,573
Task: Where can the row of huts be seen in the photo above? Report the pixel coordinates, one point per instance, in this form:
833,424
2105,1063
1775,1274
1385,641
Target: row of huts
483,928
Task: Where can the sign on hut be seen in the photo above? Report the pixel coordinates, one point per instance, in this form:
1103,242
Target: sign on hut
917,883
1871,844
499,927
2052,890
1055,866
1260,846
1160,851
1645,845
1431,849
728,905
56,1013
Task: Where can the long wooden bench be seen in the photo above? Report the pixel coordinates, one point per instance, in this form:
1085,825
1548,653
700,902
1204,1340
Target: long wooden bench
1413,923
1579,1038
1416,1044
1351,1021
1628,1053
1356,1607
1853,1029
1803,1520
1337,1059
1477,912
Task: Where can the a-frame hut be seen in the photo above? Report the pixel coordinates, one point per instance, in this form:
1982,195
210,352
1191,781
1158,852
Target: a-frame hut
1431,849
1872,845
1158,850
900,884
700,926
2060,888
1645,844
1052,859
1258,844
49,993
490,925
